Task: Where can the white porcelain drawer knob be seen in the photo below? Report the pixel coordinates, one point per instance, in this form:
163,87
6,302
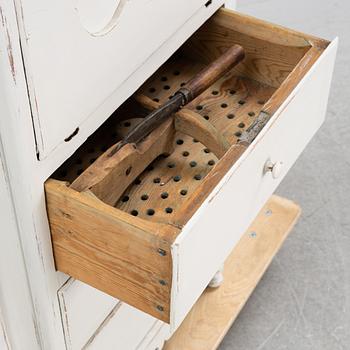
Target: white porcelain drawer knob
274,168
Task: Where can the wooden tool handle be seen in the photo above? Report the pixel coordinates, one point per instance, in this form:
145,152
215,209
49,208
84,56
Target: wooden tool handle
212,73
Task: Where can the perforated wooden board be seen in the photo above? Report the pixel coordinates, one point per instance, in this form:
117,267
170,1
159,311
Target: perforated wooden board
231,105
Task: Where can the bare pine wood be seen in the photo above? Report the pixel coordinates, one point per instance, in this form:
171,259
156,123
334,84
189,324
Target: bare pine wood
215,311
101,246
192,124
112,173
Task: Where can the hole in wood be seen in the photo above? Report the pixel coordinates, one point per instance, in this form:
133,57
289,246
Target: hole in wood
215,92
206,117
164,78
211,162
183,192
125,199
241,102
156,180
238,134
166,87
128,171
199,108
223,105
251,114
193,164
177,178
164,195
150,212
152,89
185,153
168,210
171,165
179,141
134,212
144,197
241,125
230,116
197,176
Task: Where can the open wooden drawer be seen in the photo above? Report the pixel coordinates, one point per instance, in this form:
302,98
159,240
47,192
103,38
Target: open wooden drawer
152,227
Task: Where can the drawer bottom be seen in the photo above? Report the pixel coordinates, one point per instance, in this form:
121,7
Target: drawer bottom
243,270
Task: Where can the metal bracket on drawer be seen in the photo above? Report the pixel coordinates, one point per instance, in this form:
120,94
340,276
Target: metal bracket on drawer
251,133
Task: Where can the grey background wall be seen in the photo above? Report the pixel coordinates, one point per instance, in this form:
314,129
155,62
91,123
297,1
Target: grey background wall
303,301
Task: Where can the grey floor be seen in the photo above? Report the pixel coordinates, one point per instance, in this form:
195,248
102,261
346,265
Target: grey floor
303,301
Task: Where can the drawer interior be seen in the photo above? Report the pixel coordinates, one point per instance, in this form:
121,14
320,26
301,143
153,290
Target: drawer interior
125,225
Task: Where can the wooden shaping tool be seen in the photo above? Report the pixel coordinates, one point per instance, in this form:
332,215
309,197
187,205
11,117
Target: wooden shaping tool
186,94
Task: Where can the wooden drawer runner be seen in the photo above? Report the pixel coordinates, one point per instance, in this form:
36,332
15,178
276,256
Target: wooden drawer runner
154,228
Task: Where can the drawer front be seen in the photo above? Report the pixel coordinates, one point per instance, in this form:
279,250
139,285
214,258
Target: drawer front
77,54
125,328
83,309
211,234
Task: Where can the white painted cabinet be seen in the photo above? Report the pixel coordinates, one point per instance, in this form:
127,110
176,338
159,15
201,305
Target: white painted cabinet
78,53
66,66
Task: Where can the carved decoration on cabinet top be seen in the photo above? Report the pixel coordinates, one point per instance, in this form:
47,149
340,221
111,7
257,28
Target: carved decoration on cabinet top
100,18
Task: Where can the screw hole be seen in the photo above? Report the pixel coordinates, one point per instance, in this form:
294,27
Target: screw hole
144,197
197,177
230,116
195,140
215,92
251,114
152,89
134,212
183,192
206,117
241,102
156,99
238,134
169,210
166,87
171,165
206,150
193,164
185,153
164,78
223,105
199,108
241,125
232,92
156,180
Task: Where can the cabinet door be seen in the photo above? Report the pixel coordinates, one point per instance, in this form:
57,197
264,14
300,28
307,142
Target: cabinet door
78,52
